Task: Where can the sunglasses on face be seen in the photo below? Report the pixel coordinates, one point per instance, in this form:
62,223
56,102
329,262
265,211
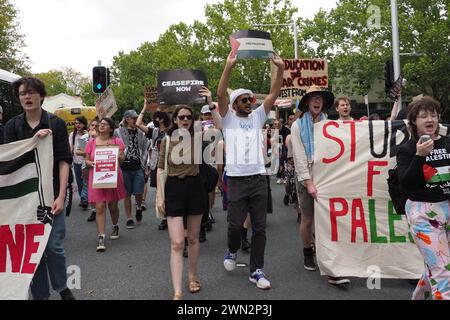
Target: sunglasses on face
248,99
189,117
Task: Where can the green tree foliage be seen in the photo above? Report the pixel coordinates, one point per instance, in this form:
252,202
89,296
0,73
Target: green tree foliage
68,81
205,46
11,41
357,50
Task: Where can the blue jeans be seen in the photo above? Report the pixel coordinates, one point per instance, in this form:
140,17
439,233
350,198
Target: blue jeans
77,172
53,262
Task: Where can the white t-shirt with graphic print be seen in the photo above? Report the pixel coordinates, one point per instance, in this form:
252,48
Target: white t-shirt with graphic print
244,143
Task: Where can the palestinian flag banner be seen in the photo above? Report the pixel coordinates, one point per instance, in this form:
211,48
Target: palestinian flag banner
251,44
26,194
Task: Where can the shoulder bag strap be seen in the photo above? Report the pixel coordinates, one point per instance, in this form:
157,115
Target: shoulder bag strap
167,153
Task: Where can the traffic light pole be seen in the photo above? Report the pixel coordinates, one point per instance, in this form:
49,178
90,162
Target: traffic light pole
396,46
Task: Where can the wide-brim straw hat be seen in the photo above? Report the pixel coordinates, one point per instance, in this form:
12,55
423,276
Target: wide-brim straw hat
328,98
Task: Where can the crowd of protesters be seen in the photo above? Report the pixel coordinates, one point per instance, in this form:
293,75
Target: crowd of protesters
186,190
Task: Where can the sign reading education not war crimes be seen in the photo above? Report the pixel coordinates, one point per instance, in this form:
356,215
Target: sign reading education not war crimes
356,225
300,74
106,105
181,87
251,44
26,197
106,165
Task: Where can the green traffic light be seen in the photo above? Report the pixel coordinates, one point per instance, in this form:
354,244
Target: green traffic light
99,86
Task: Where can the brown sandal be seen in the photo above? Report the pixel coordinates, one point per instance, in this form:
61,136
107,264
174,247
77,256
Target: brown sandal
194,286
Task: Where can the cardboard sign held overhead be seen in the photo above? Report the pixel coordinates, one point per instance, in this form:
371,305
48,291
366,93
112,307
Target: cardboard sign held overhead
181,87
106,105
151,98
251,44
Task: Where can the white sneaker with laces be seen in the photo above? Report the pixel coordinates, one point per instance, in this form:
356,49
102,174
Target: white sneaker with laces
229,261
259,278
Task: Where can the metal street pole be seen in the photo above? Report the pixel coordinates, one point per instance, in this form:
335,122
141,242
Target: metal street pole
396,45
295,39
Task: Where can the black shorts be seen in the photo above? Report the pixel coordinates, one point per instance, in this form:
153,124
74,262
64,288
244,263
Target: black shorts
153,178
184,197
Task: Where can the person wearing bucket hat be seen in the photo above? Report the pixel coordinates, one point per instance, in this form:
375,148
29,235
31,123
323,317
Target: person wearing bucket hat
314,104
247,186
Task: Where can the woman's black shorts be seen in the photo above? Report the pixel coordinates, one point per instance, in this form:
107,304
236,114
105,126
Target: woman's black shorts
184,197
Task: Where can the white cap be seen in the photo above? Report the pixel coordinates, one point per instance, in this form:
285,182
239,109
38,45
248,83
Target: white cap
236,93
205,109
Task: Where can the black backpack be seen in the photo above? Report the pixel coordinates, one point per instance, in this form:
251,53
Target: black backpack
398,196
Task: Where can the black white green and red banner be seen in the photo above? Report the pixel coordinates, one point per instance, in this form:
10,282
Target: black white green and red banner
26,195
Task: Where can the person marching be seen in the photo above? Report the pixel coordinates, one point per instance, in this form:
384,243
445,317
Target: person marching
133,166
161,123
105,197
423,168
247,185
314,104
181,197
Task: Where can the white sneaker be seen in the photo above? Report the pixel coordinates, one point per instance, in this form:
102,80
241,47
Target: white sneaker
229,261
259,278
101,244
280,181
338,280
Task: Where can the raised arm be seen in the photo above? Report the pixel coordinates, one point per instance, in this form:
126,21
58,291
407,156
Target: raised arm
140,120
276,85
222,95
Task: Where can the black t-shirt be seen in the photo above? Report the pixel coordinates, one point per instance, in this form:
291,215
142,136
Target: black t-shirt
425,179
132,157
18,129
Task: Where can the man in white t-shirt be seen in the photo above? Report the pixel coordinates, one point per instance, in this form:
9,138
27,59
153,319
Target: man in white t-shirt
247,187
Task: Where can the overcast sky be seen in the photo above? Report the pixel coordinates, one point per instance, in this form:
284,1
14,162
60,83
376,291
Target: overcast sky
78,33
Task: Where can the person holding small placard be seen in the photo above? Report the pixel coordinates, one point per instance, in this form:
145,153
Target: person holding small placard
107,196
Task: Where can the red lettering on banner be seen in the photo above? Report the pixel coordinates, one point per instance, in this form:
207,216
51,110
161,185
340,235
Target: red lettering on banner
11,245
33,230
334,213
358,223
371,172
339,141
352,140
23,240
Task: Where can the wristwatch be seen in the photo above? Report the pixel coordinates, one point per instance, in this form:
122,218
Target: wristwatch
212,108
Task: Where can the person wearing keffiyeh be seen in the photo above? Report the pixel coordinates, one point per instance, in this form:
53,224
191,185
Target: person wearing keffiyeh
314,105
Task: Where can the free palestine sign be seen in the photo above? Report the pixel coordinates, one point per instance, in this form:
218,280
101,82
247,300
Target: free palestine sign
251,44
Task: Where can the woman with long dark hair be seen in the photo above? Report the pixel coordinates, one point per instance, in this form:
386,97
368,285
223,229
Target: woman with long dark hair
182,196
424,172
105,197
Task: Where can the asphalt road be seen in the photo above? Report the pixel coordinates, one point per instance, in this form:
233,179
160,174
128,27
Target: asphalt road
136,266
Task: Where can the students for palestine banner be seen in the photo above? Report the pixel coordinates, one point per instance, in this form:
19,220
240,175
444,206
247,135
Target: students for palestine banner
251,44
355,223
26,195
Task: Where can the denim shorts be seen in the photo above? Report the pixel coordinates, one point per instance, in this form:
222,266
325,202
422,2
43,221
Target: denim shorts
134,181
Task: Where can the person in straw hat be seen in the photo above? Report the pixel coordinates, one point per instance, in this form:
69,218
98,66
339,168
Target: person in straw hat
314,105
